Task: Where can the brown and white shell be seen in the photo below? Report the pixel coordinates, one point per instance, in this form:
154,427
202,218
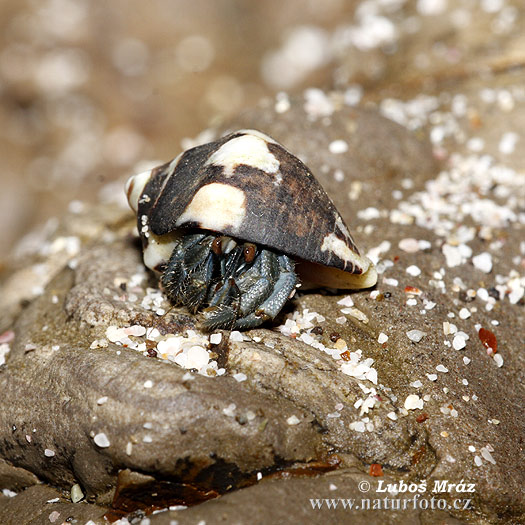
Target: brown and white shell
248,186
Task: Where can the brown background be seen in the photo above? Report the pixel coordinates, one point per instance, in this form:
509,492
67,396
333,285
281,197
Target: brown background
88,89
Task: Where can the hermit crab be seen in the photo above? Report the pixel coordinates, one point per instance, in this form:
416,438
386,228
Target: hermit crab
231,224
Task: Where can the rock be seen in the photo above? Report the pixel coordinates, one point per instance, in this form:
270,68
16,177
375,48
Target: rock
42,505
15,478
322,382
306,500
65,381
453,430
307,394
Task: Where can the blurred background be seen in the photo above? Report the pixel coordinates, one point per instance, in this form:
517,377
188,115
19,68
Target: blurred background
90,88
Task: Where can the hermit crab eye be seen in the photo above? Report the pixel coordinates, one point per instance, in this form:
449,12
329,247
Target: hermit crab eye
249,251
216,246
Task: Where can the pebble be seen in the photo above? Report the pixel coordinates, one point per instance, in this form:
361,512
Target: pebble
358,314
76,493
346,301
215,339
431,7
383,338
391,281
415,335
338,146
339,175
413,402
282,104
516,294
456,255
485,453
508,142
449,328
229,410
353,95
464,313
498,359
135,330
409,245
4,351
459,342
7,336
101,440
413,270
483,294
369,213
358,426
483,262
197,357
236,336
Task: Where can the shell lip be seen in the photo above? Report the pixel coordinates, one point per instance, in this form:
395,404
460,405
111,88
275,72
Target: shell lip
315,275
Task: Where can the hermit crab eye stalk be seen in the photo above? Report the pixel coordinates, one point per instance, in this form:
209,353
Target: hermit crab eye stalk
231,225
249,251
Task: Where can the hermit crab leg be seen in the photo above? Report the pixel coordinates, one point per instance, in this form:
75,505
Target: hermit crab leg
282,290
189,258
196,286
219,317
225,294
253,287
230,262
257,283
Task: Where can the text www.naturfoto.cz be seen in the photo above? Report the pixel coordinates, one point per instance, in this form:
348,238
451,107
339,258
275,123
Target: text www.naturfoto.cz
416,503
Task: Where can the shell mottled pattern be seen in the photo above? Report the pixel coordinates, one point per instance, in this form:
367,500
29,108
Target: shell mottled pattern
248,186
